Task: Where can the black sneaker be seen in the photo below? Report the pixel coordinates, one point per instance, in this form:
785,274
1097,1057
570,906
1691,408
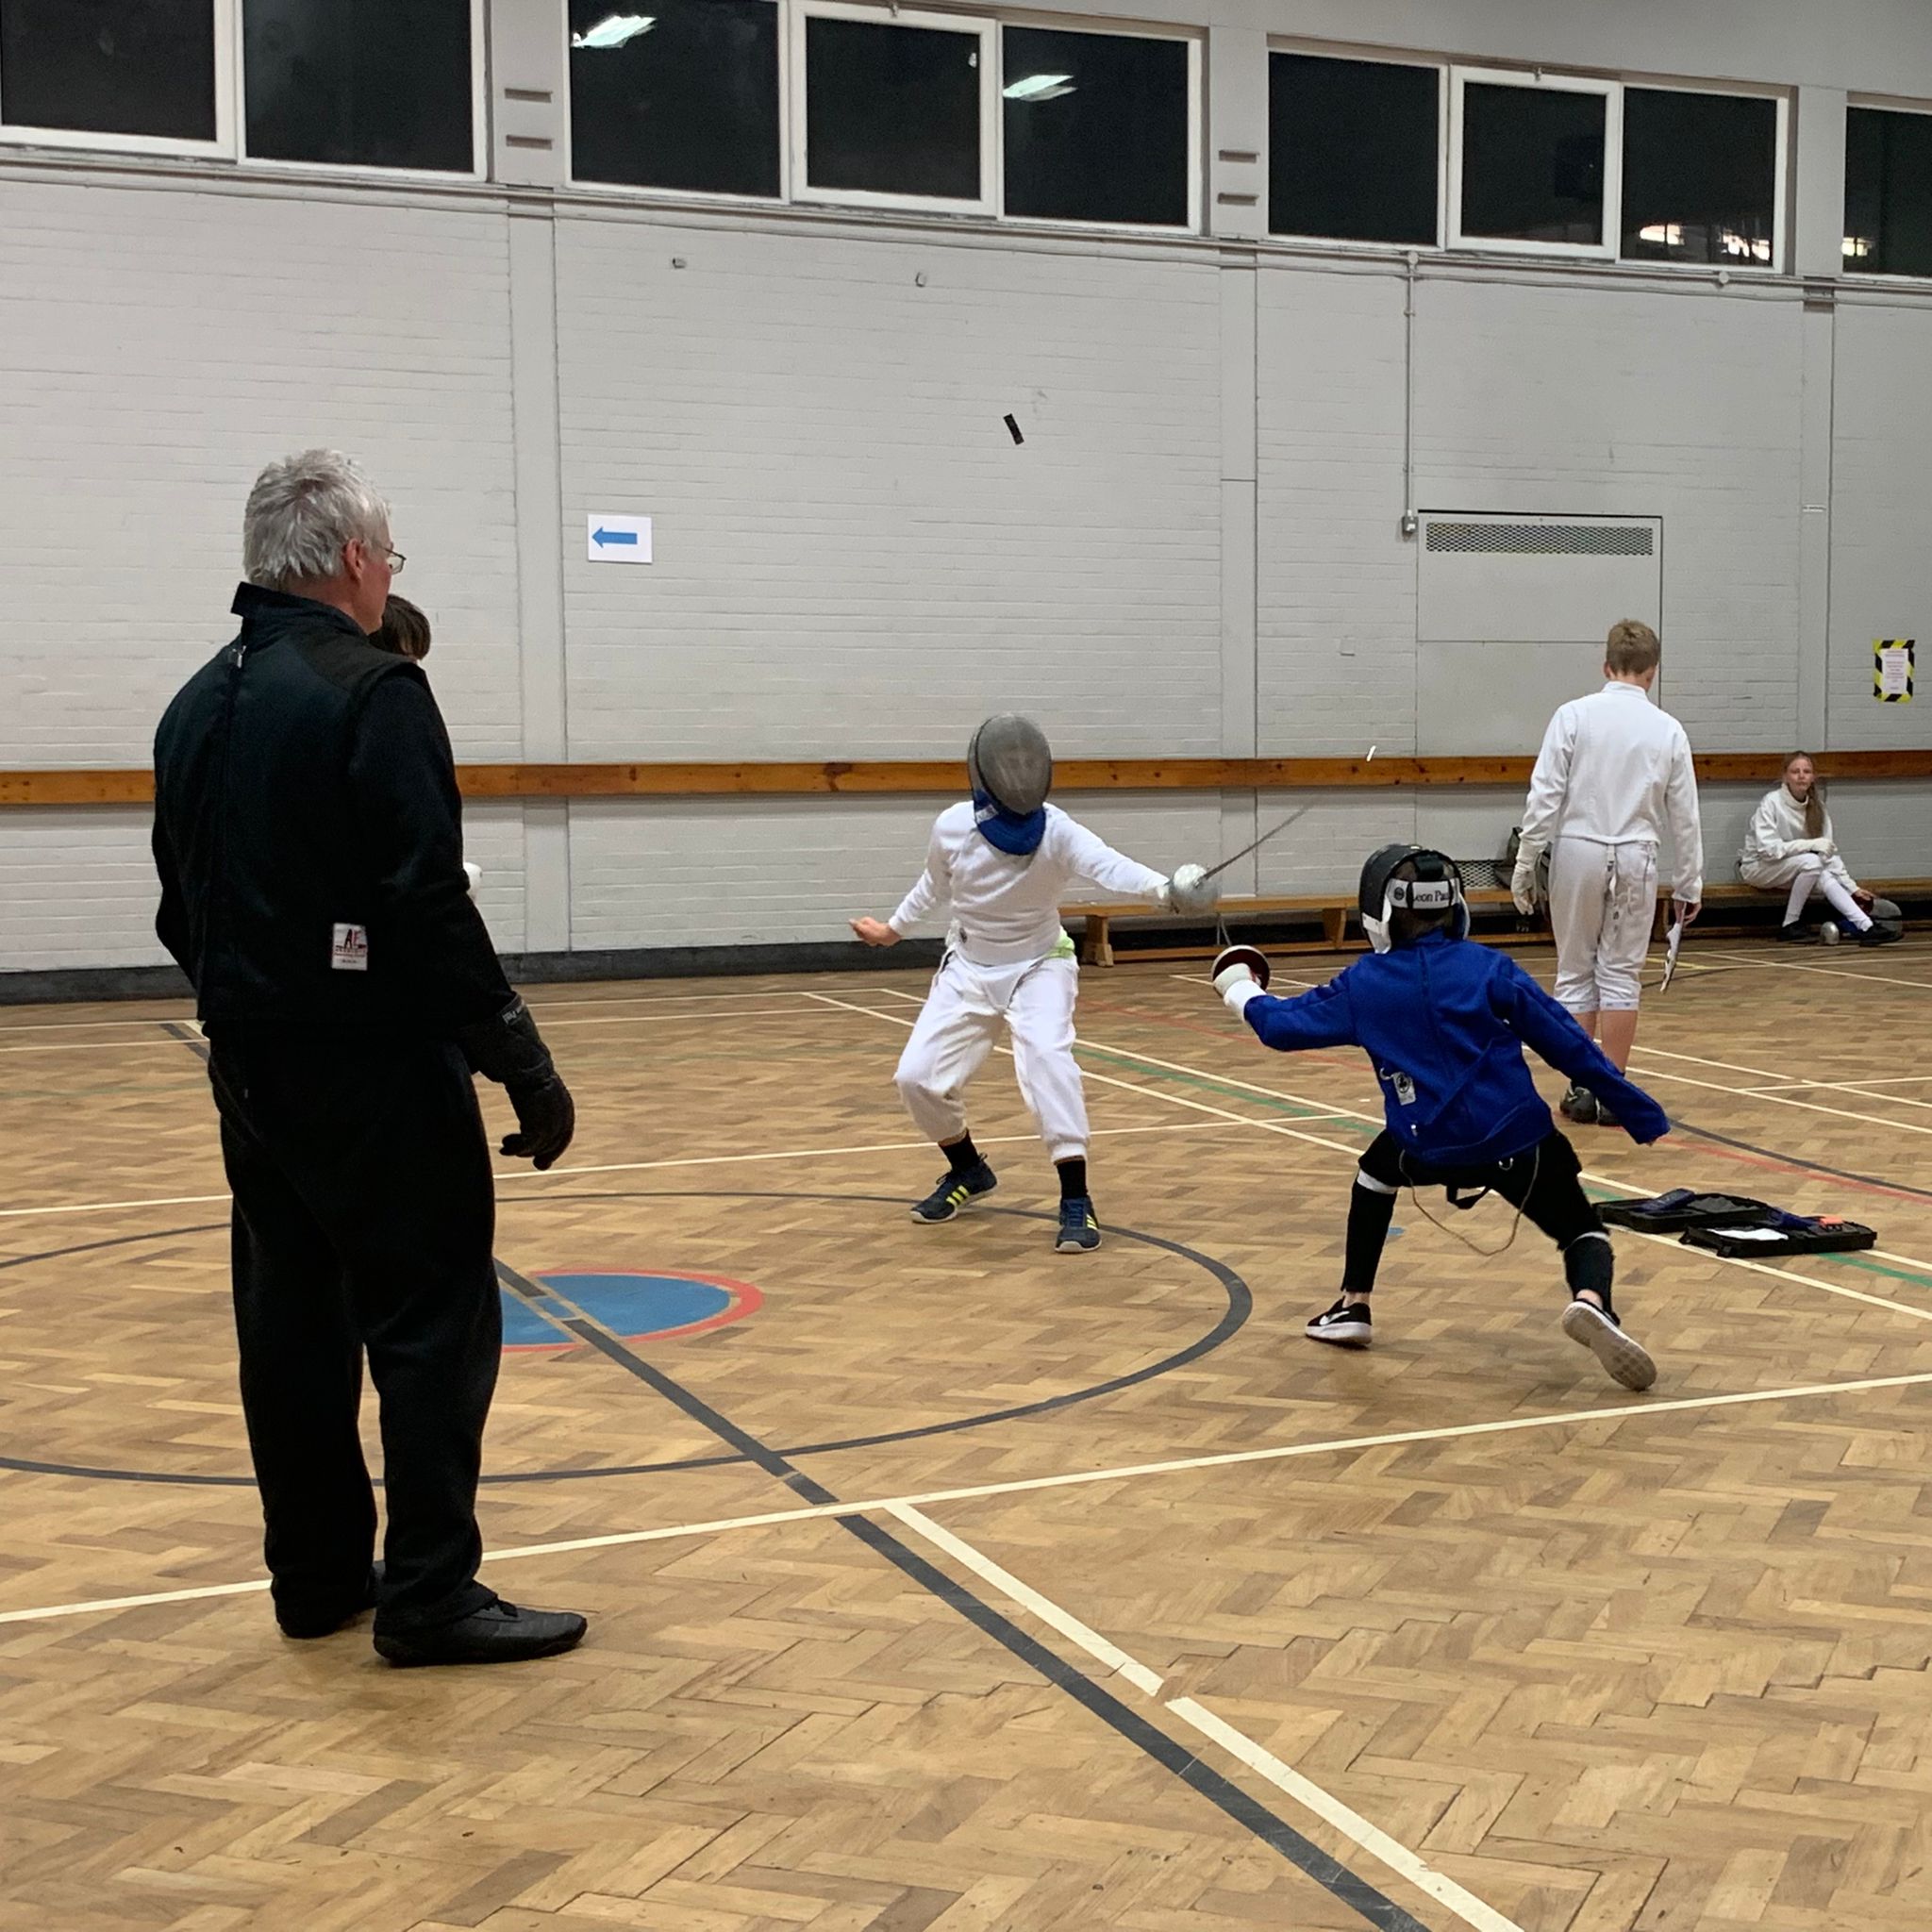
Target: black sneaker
1798,934
1875,935
1346,1324
1579,1105
952,1193
1079,1232
1598,1330
1605,1118
499,1633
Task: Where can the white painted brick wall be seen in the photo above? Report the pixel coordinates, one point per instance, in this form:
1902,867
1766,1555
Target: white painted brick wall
1622,401
158,345
1881,559
853,556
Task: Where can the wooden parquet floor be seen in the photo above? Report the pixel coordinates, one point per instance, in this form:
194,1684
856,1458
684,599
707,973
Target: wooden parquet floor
1156,1616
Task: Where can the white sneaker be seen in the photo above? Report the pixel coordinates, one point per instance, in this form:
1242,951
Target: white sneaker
1623,1358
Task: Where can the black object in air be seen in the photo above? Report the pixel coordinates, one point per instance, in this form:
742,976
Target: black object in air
1013,428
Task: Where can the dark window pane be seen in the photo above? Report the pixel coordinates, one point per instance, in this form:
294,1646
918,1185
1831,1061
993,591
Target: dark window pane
891,110
1700,177
1352,148
1532,163
1888,192
689,101
110,66
364,83
1096,127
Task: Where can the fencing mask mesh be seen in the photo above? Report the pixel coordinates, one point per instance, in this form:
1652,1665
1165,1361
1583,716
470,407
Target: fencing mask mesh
1011,765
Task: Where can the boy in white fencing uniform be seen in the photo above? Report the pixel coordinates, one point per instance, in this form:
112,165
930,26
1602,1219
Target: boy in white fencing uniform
1613,775
1003,862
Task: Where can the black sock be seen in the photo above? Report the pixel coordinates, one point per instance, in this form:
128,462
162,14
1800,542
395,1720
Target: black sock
962,1156
1590,1263
1073,1178
1369,1211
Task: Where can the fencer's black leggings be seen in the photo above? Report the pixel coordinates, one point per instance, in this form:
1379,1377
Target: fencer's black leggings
1542,1183
363,1223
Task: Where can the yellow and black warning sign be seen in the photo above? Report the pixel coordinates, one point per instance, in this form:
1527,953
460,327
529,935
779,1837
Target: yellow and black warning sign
1892,670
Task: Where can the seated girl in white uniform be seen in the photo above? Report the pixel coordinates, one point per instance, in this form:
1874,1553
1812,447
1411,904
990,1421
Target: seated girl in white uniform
1791,844
1001,865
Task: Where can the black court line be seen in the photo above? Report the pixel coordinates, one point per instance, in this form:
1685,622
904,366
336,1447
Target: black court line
1240,1303
1226,1796
190,1037
1840,1174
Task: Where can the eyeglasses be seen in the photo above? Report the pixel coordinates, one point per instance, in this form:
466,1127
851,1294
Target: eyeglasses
396,561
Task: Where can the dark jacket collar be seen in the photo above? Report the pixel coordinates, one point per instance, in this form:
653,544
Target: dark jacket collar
254,604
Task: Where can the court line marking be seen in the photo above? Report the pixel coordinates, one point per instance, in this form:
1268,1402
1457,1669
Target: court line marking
1636,1410
564,1174
1831,972
1779,1083
1844,1113
1853,1294
1310,1796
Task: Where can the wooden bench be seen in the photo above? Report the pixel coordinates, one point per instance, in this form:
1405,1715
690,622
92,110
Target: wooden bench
1334,913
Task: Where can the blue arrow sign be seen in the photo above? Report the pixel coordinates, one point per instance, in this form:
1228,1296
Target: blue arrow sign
617,536
603,537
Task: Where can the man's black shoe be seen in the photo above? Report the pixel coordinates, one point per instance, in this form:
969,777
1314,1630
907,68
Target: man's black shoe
499,1633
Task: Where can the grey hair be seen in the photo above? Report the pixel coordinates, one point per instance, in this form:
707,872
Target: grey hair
300,514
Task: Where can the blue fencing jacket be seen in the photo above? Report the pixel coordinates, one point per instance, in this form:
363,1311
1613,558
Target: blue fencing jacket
1444,1022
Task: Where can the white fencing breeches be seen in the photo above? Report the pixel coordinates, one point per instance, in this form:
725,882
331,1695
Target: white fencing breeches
955,1031
1602,901
1805,873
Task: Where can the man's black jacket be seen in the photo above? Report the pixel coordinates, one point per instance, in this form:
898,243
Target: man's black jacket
309,835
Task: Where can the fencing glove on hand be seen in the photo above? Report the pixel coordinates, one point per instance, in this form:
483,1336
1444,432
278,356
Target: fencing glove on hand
1239,973
1522,883
510,1051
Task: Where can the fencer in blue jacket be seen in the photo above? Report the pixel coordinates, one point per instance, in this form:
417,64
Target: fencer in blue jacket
1444,1022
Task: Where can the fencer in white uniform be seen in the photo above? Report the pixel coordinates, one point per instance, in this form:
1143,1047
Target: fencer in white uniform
1613,775
1001,866
1791,843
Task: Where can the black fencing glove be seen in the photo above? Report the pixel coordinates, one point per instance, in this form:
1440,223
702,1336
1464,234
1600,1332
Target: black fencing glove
510,1051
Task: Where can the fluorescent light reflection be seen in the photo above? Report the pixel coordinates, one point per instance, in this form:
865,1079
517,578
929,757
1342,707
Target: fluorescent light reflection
1039,87
614,30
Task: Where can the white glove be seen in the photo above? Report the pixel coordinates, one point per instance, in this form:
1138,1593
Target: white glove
474,875
1823,847
1522,883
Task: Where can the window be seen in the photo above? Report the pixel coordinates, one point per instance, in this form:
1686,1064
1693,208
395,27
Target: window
361,83
1700,178
141,70
683,97
1888,192
1533,162
1097,126
893,108
1353,149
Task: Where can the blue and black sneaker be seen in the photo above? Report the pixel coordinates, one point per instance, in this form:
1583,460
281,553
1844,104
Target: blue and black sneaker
952,1193
1078,1229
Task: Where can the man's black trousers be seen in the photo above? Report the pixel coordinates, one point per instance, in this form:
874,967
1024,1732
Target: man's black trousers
364,1216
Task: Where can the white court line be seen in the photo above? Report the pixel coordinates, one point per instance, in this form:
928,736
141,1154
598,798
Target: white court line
1276,978
1842,1113
1238,1744
1783,1086
1635,1410
1831,972
565,1174
1779,1084
1852,1294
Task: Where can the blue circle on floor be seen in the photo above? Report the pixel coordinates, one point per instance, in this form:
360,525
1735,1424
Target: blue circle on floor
632,1305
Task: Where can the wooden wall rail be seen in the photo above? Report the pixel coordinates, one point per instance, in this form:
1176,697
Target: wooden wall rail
946,777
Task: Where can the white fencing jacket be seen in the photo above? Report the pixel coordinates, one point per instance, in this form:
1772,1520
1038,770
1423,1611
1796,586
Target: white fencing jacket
1776,825
1007,908
1616,769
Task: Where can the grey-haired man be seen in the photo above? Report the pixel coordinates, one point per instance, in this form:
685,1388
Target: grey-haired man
308,837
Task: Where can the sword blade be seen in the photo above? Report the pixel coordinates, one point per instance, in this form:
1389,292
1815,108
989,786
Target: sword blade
1255,845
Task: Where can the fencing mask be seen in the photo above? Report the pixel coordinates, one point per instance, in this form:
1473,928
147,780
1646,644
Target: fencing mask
1429,883
1012,769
